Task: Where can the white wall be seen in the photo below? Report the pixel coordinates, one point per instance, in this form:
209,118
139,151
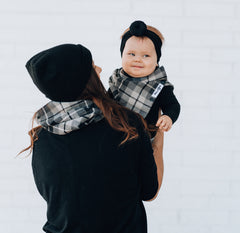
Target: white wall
201,188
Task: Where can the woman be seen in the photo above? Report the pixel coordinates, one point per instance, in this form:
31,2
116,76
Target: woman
92,159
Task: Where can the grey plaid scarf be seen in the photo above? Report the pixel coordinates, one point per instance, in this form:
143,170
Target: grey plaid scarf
64,117
138,94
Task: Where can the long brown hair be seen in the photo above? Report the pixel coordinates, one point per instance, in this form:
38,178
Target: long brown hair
114,113
33,133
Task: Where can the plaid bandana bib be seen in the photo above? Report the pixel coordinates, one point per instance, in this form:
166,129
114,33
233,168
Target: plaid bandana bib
138,94
64,117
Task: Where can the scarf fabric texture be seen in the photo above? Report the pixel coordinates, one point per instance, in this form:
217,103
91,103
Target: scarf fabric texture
64,117
138,94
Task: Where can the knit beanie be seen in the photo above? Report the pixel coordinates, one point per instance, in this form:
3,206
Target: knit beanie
139,29
62,72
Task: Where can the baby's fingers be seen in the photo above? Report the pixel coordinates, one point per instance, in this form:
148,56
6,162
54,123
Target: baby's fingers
159,122
167,128
162,125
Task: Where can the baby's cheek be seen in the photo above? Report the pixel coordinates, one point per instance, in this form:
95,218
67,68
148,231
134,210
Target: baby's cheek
125,64
151,67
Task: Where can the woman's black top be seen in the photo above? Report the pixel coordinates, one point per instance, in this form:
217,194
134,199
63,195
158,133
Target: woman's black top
90,183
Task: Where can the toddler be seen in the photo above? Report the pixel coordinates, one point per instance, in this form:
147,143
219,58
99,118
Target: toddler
141,85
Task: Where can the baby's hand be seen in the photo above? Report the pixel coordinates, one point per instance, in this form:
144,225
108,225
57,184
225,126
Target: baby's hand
164,123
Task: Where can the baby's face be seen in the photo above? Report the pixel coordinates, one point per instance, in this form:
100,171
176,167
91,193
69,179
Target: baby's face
139,57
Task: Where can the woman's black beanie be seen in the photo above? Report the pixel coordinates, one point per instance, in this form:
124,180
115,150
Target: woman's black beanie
61,72
139,28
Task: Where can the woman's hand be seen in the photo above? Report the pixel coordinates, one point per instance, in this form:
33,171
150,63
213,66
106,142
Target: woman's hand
164,123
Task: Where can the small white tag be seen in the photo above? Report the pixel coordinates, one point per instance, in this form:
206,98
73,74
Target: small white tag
157,90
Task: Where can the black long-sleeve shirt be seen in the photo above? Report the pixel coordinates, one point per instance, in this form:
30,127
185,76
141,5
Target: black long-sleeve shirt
166,101
90,184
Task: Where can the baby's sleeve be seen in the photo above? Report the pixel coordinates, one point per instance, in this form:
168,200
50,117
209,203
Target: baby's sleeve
168,103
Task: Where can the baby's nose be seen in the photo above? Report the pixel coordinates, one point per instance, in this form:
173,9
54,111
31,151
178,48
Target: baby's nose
138,58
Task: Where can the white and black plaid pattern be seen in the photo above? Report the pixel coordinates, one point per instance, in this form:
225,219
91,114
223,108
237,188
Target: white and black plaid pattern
64,117
138,94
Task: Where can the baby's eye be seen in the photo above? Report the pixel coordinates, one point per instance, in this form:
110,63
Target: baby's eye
131,54
146,55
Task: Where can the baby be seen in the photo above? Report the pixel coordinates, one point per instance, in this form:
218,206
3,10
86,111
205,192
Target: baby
141,85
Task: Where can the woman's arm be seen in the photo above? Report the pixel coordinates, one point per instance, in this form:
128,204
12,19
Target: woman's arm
152,166
157,146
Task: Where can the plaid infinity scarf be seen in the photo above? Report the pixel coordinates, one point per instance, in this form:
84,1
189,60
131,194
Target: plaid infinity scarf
64,117
138,94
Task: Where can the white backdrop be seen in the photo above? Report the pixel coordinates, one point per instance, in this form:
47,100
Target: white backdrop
201,187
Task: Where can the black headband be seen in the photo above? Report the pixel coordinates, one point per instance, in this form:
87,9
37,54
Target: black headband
139,29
